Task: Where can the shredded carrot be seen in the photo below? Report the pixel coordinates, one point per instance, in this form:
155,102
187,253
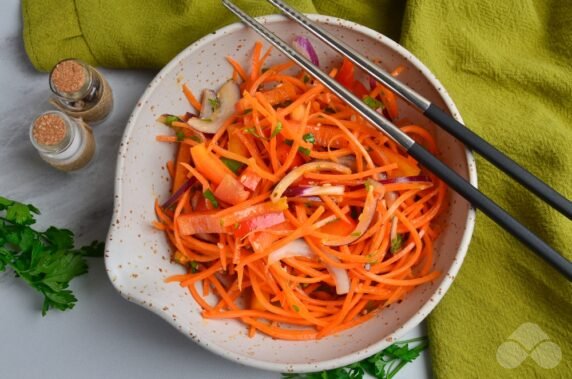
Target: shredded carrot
279,254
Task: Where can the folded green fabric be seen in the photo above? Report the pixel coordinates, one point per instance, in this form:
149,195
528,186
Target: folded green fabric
508,66
135,34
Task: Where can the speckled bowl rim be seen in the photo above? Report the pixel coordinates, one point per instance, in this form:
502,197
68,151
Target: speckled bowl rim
448,277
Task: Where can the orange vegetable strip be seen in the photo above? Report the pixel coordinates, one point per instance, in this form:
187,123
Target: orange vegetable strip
191,98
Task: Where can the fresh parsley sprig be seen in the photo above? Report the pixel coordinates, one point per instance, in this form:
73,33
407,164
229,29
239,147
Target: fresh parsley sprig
383,365
47,260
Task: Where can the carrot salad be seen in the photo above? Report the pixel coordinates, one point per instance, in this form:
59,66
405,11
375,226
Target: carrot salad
289,211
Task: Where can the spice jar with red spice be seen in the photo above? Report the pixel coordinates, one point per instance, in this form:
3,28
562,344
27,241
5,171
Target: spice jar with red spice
80,91
64,142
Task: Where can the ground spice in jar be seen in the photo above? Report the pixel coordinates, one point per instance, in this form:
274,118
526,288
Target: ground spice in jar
80,91
65,143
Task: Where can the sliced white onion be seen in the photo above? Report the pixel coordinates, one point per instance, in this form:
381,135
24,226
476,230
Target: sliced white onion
364,221
308,190
304,47
206,107
301,170
228,96
296,248
340,276
299,248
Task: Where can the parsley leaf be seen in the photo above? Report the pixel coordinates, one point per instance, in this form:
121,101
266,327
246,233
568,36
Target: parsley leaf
209,195
372,103
396,243
253,132
180,135
383,365
214,103
168,119
233,165
309,137
45,260
277,129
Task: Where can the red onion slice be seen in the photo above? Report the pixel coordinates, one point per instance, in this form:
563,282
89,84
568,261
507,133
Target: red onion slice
300,170
173,199
406,179
295,191
304,47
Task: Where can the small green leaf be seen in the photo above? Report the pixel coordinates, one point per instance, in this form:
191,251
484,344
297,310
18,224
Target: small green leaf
169,119
194,266
305,78
233,165
372,103
396,243
60,238
180,135
277,129
196,138
296,308
20,214
309,137
210,197
94,249
253,132
356,234
305,151
214,103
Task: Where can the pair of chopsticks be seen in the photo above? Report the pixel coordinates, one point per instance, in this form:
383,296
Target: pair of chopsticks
439,117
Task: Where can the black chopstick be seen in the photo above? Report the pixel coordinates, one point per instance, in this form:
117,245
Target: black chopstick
436,114
449,176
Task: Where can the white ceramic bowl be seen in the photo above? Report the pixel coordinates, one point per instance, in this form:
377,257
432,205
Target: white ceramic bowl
138,257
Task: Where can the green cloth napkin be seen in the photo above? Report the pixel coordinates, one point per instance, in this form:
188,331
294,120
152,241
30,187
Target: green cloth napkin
507,65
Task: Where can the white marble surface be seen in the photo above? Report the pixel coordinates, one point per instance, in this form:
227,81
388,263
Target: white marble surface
104,336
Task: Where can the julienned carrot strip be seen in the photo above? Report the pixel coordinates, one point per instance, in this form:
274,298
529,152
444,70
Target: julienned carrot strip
191,98
265,140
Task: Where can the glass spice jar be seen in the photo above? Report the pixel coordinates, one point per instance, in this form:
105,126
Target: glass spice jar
64,142
80,91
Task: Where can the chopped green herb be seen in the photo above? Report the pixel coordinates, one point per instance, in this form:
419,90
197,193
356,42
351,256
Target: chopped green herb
277,129
356,234
233,165
253,132
180,136
214,103
296,308
368,185
208,194
329,110
221,222
396,243
169,119
309,137
46,261
372,103
303,150
305,78
196,139
383,365
194,266
206,119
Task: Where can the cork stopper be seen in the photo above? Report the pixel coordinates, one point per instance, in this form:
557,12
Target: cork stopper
70,79
49,129
50,132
